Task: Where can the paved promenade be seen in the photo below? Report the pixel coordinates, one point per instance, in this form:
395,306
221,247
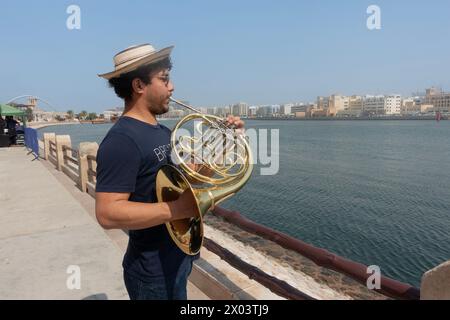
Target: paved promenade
44,232
49,233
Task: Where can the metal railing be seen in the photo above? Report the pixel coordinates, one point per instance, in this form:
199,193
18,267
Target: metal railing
275,285
357,271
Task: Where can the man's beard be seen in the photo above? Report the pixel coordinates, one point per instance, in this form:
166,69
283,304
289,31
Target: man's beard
161,108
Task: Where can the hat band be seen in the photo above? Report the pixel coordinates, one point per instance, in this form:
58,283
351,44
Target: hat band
132,59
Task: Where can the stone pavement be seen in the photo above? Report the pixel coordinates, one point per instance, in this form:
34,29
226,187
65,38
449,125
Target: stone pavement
47,235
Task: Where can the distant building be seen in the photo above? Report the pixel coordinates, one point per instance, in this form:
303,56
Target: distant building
299,108
314,113
425,108
392,104
39,115
44,116
176,114
285,109
382,105
301,114
112,113
173,113
223,111
264,111
252,111
355,106
323,103
337,104
20,106
373,105
240,109
439,99
32,104
413,105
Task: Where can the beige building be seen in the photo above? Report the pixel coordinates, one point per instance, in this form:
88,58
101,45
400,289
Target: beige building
424,108
338,104
410,106
439,99
304,110
47,116
323,103
355,105
414,105
318,113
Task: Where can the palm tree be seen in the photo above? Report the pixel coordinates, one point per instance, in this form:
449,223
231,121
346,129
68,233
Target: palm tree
29,114
82,115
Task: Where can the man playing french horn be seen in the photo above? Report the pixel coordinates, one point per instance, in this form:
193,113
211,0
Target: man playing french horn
129,158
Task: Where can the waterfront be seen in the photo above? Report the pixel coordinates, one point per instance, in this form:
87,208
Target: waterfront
375,192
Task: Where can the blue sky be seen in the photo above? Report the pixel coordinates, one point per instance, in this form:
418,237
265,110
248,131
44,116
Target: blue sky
260,52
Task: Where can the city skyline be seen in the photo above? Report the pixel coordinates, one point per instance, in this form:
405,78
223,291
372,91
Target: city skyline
48,106
258,52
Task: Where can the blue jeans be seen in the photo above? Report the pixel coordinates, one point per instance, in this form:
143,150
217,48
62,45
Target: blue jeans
170,287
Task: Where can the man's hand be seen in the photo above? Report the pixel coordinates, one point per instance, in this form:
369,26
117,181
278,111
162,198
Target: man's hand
186,205
236,123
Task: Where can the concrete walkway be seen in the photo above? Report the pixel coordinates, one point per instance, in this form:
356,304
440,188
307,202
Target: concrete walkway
46,237
48,231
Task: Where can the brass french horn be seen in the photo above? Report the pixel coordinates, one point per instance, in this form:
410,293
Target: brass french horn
217,150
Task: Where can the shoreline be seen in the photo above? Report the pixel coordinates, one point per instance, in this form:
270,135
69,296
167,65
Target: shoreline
40,125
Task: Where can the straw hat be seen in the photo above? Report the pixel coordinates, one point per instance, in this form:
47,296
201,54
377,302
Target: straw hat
133,57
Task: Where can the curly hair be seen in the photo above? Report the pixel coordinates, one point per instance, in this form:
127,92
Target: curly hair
123,84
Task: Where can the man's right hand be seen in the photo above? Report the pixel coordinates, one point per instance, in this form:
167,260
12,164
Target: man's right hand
186,205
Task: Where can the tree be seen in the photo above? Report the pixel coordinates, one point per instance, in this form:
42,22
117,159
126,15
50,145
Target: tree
29,114
70,114
92,116
82,115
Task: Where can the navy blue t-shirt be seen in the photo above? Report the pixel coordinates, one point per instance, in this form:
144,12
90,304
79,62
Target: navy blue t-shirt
128,160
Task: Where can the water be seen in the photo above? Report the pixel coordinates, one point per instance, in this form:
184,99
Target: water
376,192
